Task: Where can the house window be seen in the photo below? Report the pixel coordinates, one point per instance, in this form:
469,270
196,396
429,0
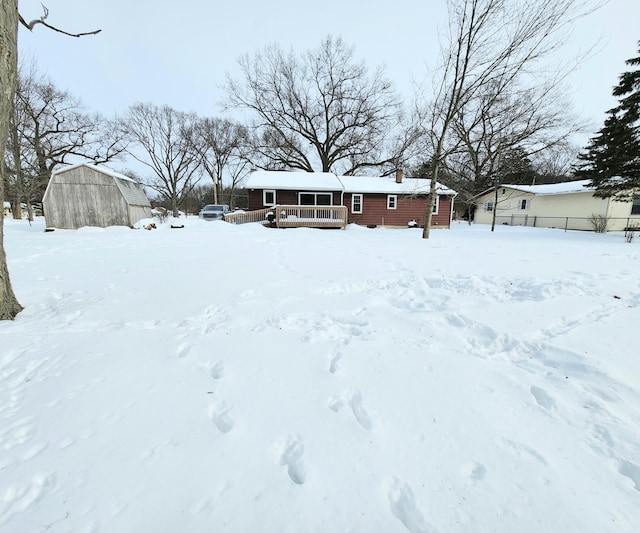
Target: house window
524,204
392,201
356,203
635,206
315,198
268,197
488,206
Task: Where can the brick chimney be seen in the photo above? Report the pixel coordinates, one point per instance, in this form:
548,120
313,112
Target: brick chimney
399,176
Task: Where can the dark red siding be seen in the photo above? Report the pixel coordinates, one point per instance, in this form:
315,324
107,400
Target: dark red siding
374,211
374,207
254,198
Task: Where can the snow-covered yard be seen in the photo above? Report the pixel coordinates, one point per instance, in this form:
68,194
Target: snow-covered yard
244,379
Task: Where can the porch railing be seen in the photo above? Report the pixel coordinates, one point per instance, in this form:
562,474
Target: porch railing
312,216
294,216
259,215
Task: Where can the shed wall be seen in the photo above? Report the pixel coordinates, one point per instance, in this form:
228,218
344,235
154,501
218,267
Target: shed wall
84,197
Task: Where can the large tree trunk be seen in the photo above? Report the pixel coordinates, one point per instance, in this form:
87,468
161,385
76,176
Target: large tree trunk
9,306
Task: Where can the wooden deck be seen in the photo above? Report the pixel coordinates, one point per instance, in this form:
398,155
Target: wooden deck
295,216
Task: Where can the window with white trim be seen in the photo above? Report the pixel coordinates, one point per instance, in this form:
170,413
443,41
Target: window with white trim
436,205
488,206
268,197
356,203
392,201
315,198
635,206
524,204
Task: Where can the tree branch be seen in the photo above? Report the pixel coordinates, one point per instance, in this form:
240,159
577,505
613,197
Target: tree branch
42,19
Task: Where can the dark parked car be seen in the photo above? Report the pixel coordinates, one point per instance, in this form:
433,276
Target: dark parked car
213,212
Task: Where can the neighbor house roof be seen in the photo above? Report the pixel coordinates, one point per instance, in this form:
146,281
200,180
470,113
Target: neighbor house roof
326,181
567,187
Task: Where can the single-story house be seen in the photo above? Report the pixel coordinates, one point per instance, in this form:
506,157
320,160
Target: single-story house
568,205
90,195
381,201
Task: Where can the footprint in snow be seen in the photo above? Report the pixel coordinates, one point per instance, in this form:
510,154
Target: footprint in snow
631,471
333,364
543,398
355,402
217,370
183,349
476,471
335,403
219,413
404,508
290,452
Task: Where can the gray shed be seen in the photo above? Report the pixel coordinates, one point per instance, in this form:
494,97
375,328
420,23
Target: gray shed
90,195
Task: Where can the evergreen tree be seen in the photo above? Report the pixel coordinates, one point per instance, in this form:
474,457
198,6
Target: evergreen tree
612,157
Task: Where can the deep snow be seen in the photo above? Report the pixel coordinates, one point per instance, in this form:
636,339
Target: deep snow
238,378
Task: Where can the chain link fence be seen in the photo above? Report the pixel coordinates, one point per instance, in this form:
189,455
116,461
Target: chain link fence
569,223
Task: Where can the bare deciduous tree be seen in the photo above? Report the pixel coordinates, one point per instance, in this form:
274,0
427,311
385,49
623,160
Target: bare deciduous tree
555,164
239,169
164,136
318,110
9,17
530,120
49,127
493,46
218,142
9,306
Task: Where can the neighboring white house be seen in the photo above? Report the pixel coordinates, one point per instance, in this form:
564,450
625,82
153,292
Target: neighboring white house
568,205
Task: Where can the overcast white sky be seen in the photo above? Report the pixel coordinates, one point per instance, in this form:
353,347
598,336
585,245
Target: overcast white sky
154,51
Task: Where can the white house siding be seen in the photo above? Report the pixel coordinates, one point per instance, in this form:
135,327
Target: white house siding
621,217
565,210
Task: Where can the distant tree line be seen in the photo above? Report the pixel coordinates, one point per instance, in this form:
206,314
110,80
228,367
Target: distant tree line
322,110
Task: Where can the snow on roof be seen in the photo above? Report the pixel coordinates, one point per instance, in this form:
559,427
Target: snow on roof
99,168
566,187
388,185
310,181
327,181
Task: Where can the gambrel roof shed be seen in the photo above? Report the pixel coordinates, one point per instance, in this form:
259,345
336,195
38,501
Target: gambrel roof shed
90,195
